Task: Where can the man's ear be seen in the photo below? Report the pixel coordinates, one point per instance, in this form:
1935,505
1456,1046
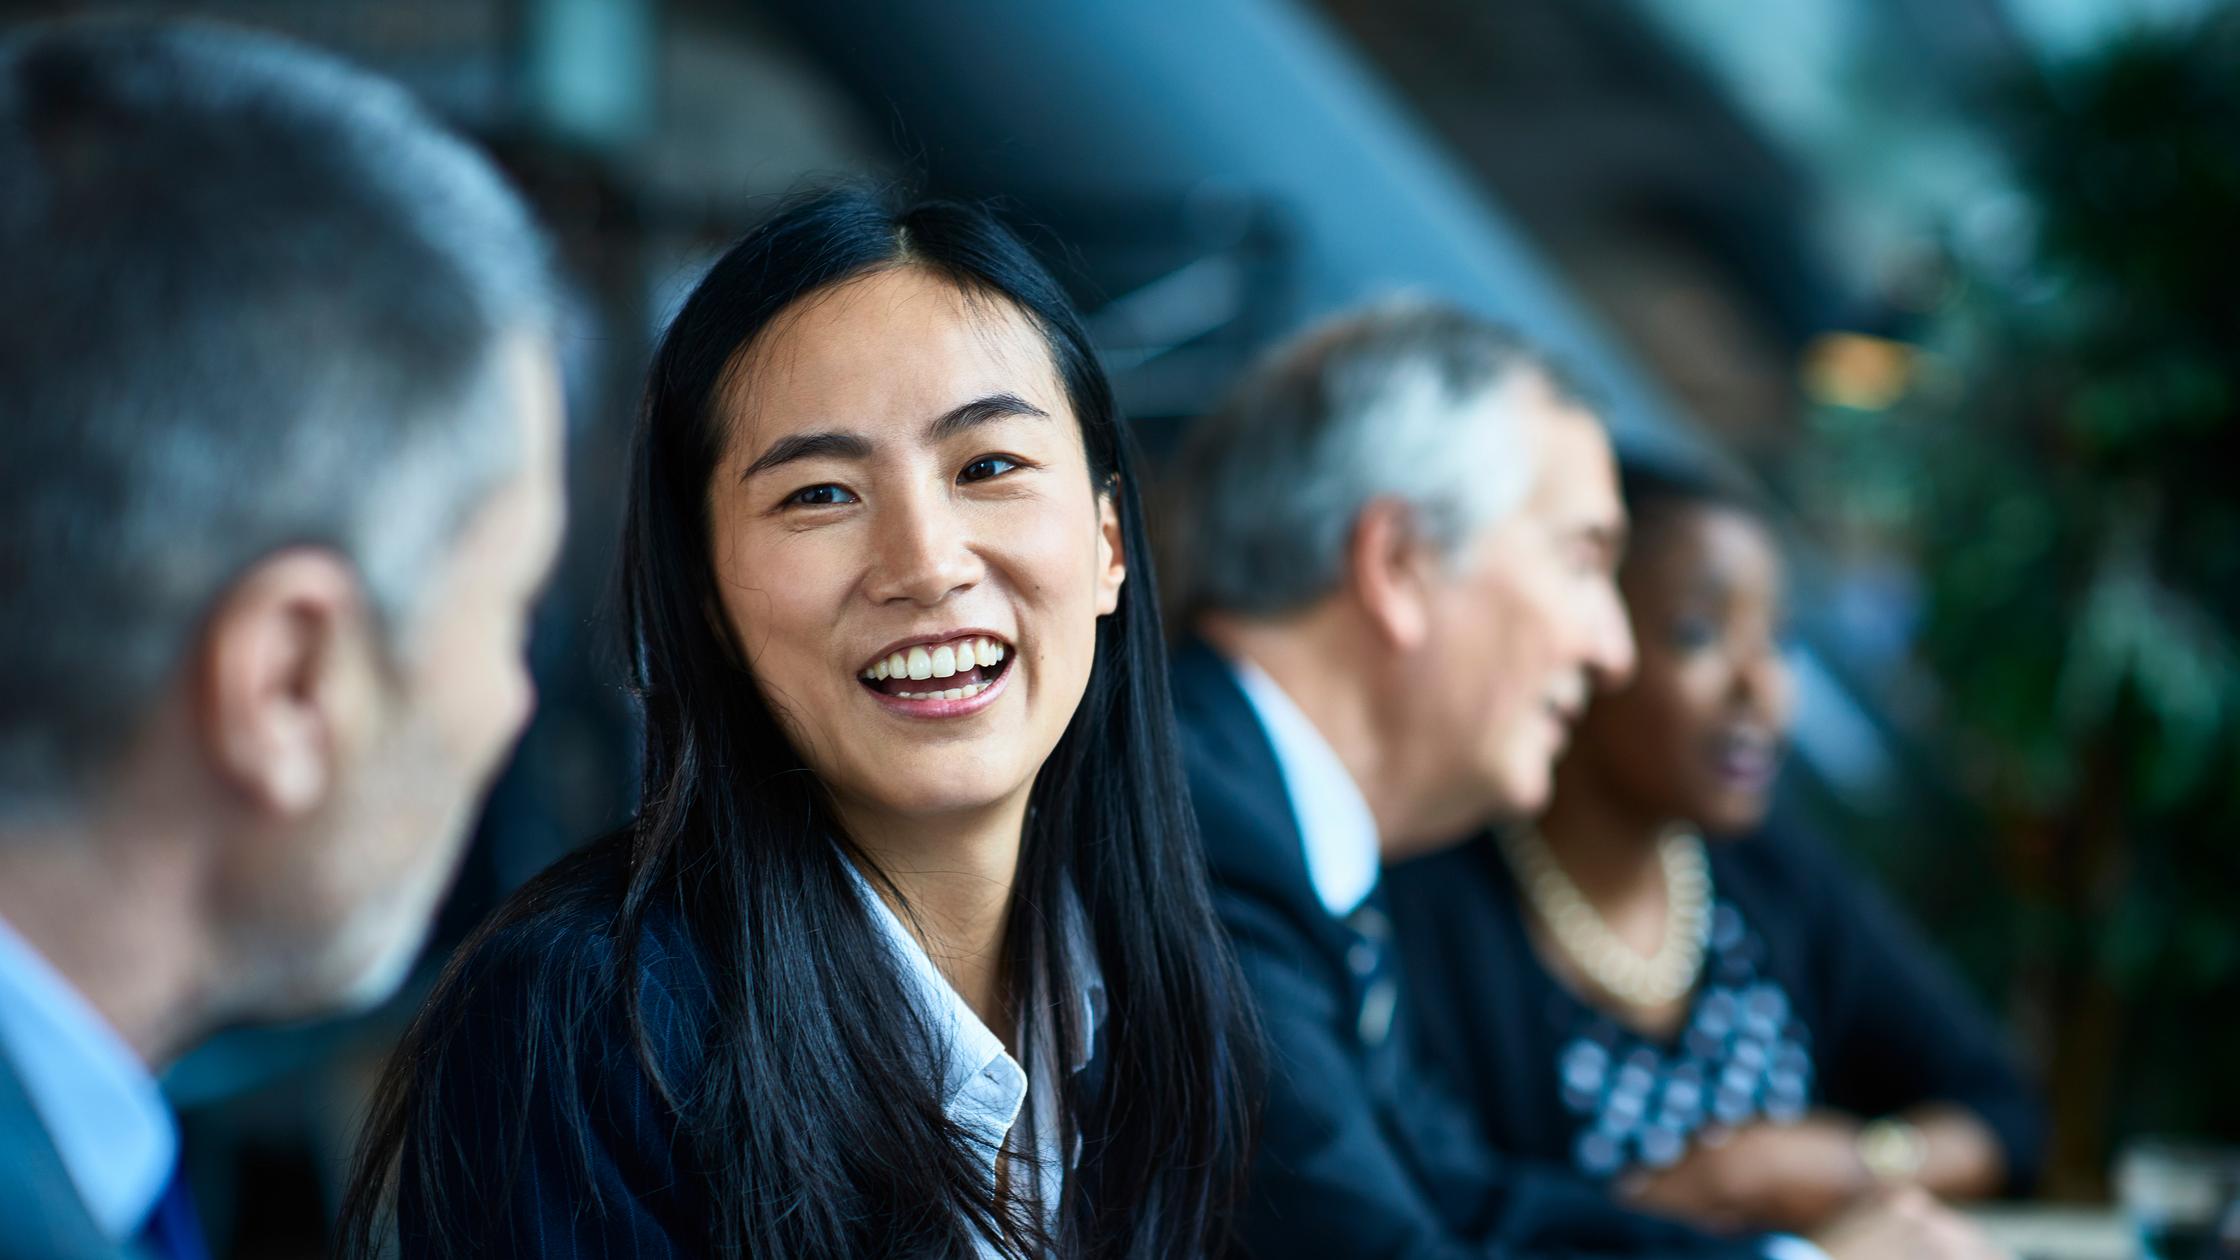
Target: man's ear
1390,572
285,679
1112,549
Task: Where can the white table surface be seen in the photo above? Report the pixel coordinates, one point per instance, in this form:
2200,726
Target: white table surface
2033,1231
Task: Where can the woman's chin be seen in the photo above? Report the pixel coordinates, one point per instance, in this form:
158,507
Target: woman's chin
947,787
1733,817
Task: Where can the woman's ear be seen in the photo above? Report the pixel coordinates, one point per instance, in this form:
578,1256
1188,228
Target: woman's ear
1112,548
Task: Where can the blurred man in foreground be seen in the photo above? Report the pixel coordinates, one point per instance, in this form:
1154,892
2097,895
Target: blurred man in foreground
1396,549
279,479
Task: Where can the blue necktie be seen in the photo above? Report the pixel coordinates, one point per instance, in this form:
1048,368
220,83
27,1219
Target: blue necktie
1377,977
173,1231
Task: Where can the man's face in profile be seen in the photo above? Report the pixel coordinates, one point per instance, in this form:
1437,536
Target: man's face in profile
433,719
1530,621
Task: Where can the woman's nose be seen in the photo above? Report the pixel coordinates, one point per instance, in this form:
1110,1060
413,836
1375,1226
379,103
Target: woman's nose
923,551
1763,684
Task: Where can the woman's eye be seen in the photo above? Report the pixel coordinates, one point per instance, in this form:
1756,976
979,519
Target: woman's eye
987,466
1691,633
819,496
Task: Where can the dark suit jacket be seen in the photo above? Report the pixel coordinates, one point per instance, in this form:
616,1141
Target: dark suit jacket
41,1215
1359,1155
556,1144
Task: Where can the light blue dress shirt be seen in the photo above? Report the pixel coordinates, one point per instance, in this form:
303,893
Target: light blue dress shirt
101,1108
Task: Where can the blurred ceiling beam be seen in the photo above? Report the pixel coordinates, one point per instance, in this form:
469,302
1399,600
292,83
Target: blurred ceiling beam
1255,96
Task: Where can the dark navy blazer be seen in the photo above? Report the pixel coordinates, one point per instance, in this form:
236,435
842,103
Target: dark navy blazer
558,1145
557,1142
1360,1155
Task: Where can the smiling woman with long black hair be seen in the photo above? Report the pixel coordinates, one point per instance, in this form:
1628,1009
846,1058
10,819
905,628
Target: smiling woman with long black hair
908,951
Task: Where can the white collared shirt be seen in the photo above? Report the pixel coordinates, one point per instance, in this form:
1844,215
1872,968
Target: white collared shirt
982,1087
100,1105
1342,849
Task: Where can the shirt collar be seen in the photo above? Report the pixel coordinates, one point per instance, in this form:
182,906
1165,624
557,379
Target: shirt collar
1334,819
982,1086
99,1104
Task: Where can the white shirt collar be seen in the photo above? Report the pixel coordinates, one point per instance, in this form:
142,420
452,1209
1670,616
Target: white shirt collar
983,1088
100,1105
1334,819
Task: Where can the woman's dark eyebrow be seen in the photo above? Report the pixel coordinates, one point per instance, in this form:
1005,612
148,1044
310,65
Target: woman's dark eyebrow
831,445
978,412
809,446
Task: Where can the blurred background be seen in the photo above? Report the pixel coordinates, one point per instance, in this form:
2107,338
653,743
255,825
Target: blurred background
1954,279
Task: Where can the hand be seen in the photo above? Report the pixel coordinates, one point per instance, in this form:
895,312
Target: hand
1905,1225
1766,1176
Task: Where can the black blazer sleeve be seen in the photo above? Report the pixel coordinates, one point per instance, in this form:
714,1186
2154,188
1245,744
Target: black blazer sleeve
550,1139
1901,1030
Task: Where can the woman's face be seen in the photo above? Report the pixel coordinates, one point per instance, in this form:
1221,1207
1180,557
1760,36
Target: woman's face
1698,736
909,549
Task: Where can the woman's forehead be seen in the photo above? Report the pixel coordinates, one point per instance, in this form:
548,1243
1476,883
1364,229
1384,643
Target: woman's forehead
883,350
1683,547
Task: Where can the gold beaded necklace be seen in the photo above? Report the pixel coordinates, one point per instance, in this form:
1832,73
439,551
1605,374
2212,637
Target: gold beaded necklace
1608,962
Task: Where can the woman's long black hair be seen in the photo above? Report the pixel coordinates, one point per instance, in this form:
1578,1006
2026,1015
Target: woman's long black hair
810,1106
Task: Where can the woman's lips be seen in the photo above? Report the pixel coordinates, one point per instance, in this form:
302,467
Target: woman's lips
975,690
1746,760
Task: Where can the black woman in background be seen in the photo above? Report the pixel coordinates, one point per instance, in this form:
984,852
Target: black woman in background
1724,1025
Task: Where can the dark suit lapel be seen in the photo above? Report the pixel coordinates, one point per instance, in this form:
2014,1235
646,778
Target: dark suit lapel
1253,839
1254,842
41,1215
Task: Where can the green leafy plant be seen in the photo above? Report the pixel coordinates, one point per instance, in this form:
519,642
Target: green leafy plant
2064,475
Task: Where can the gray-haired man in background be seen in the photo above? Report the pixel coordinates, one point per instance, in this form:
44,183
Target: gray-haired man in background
1395,547
279,479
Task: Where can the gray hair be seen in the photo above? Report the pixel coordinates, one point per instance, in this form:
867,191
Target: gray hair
253,298
1403,401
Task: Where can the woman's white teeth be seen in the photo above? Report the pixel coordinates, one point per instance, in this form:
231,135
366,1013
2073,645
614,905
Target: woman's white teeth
953,693
943,661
